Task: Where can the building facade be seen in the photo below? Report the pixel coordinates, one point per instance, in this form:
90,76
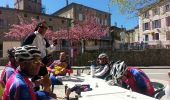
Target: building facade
154,25
79,12
9,16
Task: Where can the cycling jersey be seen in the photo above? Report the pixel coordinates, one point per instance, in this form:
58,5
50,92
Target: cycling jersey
18,87
7,72
138,81
59,67
103,71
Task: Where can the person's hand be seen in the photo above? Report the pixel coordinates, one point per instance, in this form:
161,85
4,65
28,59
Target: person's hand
38,82
46,82
53,95
63,71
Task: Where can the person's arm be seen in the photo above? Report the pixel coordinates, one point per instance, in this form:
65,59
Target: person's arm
141,80
101,73
29,39
98,69
50,47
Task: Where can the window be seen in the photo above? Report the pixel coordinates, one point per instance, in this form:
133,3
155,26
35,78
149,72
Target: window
25,15
146,38
156,11
168,35
37,17
1,50
95,42
168,21
155,36
50,27
64,43
62,21
146,26
156,24
80,17
98,20
105,22
146,14
50,19
1,22
167,7
68,16
34,1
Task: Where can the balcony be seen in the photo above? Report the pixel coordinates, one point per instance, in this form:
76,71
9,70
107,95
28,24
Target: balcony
155,42
92,47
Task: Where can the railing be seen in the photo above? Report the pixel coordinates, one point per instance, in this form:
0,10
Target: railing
133,46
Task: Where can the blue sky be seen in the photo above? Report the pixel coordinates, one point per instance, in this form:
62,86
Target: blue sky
54,5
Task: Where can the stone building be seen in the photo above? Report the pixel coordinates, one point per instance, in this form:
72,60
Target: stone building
78,12
56,21
9,16
154,24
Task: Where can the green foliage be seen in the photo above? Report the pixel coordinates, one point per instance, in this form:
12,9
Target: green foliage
132,6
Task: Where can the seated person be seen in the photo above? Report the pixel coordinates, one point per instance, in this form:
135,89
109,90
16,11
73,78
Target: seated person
133,78
10,67
104,68
18,86
59,67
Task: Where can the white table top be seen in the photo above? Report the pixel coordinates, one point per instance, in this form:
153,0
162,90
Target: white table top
103,90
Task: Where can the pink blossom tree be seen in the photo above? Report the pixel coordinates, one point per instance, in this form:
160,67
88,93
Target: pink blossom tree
21,30
88,29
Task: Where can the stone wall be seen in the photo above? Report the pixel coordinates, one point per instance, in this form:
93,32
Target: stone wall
150,57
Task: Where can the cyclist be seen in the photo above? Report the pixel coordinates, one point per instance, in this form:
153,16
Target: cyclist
10,67
104,67
133,78
18,86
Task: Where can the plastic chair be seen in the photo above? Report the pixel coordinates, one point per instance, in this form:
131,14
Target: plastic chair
159,90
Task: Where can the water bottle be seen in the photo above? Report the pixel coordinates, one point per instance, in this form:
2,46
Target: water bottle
92,68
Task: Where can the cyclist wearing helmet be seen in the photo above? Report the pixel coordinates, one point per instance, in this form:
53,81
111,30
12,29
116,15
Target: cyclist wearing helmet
18,86
104,68
8,70
133,78
10,67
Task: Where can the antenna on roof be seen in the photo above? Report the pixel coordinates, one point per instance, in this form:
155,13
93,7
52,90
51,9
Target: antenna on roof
7,5
109,4
66,2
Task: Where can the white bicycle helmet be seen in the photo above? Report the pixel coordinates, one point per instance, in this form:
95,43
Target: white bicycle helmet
26,52
118,69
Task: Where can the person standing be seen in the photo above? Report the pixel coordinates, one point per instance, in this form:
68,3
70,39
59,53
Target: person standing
37,38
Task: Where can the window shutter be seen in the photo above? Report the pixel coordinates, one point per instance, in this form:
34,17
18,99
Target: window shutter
159,23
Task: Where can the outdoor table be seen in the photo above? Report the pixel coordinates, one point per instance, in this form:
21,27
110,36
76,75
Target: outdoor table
79,69
101,90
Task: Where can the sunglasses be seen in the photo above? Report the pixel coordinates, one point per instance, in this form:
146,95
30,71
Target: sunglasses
100,58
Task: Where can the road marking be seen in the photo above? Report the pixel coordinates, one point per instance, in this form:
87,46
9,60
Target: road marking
157,73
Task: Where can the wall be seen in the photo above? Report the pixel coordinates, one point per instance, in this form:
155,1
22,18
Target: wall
9,44
150,57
